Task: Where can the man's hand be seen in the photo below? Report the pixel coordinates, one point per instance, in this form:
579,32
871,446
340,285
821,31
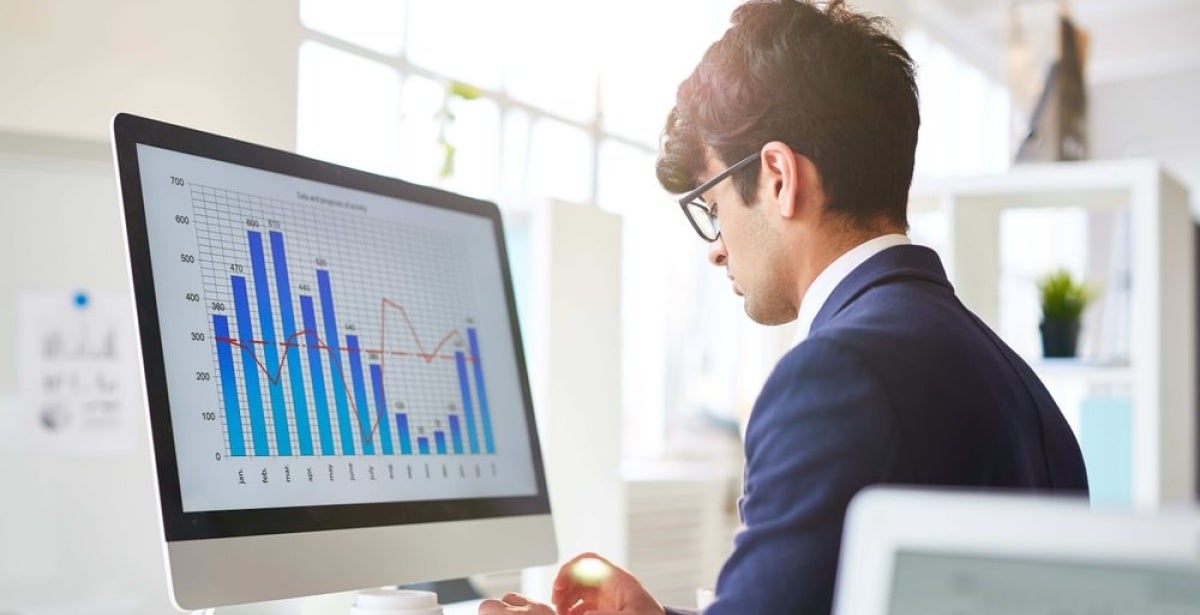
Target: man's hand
514,603
592,584
588,584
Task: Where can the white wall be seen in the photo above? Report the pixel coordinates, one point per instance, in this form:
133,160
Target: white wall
223,65
79,534
575,303
1150,116
78,529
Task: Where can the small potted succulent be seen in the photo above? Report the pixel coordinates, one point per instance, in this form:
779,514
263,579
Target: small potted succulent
1063,301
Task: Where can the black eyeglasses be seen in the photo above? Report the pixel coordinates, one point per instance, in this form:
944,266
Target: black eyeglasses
698,212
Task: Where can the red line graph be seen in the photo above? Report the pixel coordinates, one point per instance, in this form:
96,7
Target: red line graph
275,375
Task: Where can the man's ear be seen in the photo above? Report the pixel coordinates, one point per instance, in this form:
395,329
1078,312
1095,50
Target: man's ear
782,174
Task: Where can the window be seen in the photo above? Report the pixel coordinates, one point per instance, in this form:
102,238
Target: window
347,109
964,113
571,111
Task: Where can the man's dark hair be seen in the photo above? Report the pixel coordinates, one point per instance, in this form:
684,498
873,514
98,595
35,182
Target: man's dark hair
832,84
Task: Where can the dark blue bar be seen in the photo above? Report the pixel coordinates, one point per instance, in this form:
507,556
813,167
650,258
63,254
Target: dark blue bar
360,396
292,351
262,295
254,401
468,407
335,362
423,445
233,416
385,428
455,434
439,440
317,372
484,416
402,429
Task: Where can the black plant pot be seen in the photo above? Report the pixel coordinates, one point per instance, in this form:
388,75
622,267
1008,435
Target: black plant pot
1059,338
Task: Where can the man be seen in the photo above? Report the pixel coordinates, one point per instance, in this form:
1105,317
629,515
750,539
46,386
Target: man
794,140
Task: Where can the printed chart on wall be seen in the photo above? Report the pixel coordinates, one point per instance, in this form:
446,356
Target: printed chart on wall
329,346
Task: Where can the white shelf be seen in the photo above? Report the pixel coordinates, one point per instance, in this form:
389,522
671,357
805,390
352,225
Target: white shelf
1161,372
1090,373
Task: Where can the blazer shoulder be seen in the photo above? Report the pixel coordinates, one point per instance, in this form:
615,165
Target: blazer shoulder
816,378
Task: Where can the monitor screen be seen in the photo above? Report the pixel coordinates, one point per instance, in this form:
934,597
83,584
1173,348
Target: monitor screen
325,350
928,583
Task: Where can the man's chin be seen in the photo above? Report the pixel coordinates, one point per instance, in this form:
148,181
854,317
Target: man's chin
768,317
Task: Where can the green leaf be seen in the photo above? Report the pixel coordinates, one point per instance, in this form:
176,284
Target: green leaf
463,90
1063,298
448,152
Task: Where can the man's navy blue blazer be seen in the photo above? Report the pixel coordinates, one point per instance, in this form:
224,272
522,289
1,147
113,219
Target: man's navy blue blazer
897,382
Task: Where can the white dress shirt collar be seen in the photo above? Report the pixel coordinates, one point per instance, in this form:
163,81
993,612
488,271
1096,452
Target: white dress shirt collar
818,293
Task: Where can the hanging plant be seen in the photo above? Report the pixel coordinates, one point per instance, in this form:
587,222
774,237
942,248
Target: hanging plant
455,90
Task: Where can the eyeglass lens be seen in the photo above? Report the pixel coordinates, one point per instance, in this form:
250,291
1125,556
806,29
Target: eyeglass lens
705,222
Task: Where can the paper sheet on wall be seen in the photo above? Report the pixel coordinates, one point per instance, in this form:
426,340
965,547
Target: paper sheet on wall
78,386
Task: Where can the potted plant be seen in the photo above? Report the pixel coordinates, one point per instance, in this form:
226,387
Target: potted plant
1063,302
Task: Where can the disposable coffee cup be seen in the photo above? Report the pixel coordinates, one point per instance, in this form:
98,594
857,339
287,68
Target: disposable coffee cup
395,602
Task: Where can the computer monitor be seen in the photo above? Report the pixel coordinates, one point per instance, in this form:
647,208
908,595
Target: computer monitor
335,380
930,552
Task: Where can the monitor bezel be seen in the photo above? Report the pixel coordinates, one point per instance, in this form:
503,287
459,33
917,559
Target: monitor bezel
129,131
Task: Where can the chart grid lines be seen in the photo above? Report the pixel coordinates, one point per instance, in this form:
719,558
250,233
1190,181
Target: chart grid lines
411,333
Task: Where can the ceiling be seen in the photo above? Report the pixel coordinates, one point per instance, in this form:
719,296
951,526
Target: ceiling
1128,39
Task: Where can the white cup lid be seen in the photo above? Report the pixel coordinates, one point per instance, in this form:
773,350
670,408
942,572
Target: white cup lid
387,601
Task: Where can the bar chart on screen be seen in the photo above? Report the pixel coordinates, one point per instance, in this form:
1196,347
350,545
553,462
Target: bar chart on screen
321,350
323,345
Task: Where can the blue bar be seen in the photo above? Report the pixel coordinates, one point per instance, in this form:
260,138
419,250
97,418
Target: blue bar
292,349
456,434
484,416
468,407
402,429
423,445
366,431
385,429
262,295
440,440
258,421
335,362
317,372
233,416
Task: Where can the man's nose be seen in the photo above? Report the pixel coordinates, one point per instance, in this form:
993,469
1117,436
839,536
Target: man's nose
717,253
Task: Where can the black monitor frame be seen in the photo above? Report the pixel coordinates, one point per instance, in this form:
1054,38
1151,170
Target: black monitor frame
128,132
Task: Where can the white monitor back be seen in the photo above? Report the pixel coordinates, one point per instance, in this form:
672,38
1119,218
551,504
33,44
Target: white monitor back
940,553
